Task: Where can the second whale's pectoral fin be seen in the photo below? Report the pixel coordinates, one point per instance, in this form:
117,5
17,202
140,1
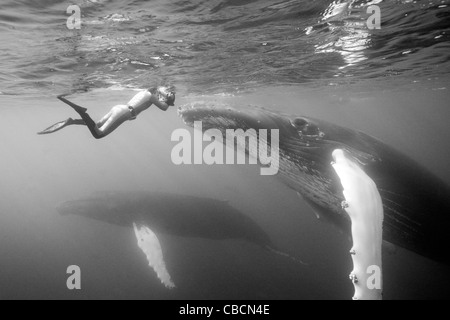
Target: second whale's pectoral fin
149,244
364,207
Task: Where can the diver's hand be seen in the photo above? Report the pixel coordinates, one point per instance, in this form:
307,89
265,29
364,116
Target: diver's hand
166,96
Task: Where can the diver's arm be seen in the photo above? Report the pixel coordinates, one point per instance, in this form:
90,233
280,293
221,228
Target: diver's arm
162,97
144,99
160,104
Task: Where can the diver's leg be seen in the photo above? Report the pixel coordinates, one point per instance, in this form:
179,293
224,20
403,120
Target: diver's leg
76,107
92,126
118,115
79,122
104,119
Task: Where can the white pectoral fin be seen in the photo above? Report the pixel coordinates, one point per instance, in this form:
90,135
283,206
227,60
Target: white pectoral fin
149,244
363,205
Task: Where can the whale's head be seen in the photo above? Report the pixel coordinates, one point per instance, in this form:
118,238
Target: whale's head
105,209
219,116
305,139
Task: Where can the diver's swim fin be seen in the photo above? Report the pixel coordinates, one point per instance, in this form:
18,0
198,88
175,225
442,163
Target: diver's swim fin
60,125
76,107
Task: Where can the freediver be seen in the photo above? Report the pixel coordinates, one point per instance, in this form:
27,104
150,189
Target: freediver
162,97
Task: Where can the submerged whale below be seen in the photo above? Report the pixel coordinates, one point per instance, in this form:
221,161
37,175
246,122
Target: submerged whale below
181,215
416,203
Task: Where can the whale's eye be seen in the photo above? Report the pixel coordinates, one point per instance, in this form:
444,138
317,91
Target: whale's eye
306,128
299,123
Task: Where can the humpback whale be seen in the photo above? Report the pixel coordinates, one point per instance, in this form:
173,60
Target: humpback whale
181,215
416,203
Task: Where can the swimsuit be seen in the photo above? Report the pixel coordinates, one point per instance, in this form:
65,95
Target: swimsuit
133,113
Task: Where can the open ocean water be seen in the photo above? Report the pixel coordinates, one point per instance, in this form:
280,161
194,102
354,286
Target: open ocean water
312,58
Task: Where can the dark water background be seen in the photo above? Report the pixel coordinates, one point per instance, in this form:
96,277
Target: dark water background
301,57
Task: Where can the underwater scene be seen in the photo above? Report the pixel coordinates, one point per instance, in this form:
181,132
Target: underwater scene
345,108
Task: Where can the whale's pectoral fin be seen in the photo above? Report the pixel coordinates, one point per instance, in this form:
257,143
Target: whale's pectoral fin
149,243
363,205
